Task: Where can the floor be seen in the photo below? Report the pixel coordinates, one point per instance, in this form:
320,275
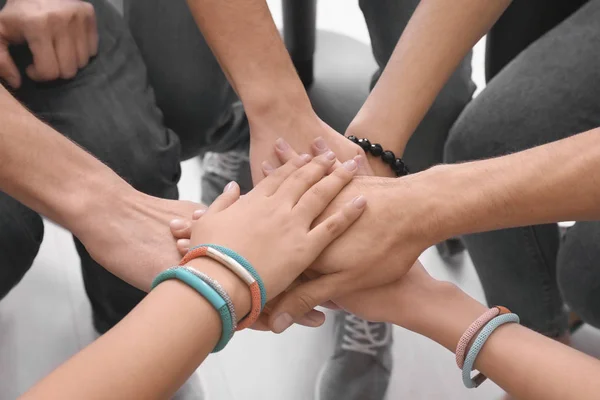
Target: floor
46,318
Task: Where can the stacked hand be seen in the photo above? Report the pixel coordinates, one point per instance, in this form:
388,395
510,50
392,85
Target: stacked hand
365,257
274,226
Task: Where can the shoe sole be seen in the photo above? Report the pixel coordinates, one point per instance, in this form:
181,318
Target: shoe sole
319,380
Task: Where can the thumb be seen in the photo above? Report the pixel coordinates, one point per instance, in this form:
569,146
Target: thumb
8,69
300,300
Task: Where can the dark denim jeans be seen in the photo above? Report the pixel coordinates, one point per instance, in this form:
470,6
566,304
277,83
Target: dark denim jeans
548,92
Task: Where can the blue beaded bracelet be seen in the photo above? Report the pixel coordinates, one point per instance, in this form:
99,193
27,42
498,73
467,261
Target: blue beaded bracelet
210,294
483,336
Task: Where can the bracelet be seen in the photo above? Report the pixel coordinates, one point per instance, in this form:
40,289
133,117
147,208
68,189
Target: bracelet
219,289
242,268
472,330
388,157
193,281
478,345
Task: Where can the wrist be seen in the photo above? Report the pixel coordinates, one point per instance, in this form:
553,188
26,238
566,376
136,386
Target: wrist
236,289
277,104
375,127
444,313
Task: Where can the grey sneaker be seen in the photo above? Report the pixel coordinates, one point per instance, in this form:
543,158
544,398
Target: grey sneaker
361,363
221,168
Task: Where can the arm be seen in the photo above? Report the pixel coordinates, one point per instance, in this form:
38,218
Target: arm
436,39
524,363
245,40
151,352
129,363
53,176
550,183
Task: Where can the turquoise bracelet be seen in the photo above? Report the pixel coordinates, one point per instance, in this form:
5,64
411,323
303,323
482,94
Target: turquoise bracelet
195,282
244,263
483,336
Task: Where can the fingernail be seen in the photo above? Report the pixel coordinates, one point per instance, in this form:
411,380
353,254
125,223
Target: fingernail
281,144
320,144
330,155
198,213
312,321
267,167
350,165
229,186
178,224
359,201
282,322
305,157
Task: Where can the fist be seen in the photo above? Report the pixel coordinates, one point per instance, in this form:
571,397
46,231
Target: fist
61,34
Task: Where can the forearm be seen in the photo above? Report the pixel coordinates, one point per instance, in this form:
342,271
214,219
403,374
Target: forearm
44,170
245,40
525,364
550,183
153,350
437,38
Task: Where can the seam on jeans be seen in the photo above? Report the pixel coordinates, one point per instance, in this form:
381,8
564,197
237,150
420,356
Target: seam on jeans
533,246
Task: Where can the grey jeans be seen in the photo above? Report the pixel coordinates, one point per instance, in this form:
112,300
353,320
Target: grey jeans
108,109
200,106
548,92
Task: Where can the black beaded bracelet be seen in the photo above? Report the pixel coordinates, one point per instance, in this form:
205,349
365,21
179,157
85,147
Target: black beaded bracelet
388,157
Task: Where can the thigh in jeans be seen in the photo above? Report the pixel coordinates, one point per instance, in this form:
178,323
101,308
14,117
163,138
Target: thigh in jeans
579,270
109,110
21,233
546,93
190,87
386,19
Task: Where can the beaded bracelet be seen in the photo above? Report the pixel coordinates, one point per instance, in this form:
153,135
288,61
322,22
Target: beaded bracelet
473,329
193,281
483,336
242,268
388,157
222,292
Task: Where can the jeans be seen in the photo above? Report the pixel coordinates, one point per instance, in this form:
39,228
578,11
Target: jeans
549,91
195,96
108,109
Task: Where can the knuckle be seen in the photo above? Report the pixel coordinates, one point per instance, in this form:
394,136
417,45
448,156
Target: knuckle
305,302
333,226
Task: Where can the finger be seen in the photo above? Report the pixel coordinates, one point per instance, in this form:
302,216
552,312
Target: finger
198,214
230,195
330,305
45,64
181,229
91,29
284,151
294,187
312,319
319,147
183,246
79,34
299,301
317,198
271,183
8,69
327,231
66,53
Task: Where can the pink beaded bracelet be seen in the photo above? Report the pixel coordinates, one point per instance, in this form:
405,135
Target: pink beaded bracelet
475,327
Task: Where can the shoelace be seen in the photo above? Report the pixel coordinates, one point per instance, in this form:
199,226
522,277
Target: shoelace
362,335
224,164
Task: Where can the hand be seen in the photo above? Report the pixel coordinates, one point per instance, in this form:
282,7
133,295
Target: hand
300,134
128,235
368,255
273,225
61,35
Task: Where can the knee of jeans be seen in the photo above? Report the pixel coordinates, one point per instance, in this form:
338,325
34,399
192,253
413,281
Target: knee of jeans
20,239
578,272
